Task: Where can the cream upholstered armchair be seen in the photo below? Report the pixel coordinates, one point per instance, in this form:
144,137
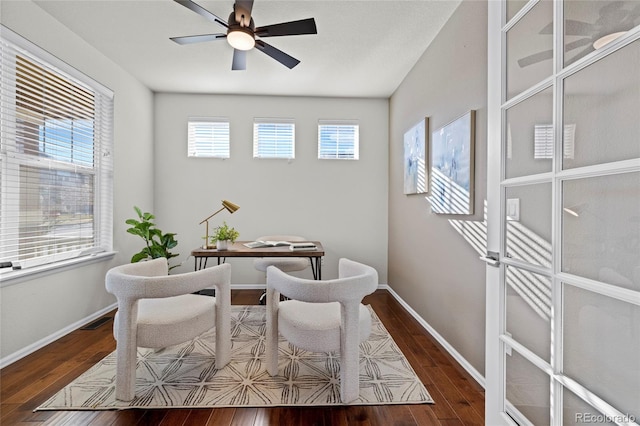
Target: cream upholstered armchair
322,316
156,310
286,264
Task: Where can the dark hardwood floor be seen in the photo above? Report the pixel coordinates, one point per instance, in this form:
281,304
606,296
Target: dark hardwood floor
459,400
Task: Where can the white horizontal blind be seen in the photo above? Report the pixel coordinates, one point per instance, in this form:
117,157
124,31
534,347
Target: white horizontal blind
543,141
208,137
338,140
274,138
56,166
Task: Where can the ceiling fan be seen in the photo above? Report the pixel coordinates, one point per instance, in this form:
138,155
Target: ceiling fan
613,22
243,35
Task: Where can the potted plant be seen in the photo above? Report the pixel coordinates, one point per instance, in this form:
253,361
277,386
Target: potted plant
157,243
224,234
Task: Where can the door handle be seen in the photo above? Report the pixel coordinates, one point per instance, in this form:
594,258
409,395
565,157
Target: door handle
492,258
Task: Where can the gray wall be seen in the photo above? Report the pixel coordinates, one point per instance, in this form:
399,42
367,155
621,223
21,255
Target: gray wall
32,310
341,203
431,265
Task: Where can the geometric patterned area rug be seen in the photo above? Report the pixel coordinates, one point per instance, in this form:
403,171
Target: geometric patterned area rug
184,376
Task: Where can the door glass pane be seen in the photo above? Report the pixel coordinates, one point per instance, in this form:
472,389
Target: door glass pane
589,24
528,224
576,412
601,347
528,307
513,7
528,389
601,107
530,49
601,229
529,136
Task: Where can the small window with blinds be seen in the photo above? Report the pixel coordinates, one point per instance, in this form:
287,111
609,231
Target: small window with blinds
208,137
543,141
55,157
274,138
338,140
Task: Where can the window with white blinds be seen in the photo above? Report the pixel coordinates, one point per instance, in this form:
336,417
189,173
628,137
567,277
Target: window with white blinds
338,140
274,138
543,137
56,167
208,137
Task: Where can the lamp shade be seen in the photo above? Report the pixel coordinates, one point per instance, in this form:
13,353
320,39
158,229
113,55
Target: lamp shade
230,206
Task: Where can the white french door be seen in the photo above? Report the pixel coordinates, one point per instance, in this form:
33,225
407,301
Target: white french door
563,195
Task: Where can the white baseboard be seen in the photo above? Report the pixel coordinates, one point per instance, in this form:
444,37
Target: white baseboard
264,286
455,354
248,286
11,358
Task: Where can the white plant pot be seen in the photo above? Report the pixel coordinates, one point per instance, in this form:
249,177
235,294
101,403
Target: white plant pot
222,245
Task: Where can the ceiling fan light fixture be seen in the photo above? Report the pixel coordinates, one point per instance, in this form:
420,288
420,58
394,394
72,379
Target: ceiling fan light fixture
603,41
241,38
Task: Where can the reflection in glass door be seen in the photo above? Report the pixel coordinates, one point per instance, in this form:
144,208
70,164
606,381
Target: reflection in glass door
567,213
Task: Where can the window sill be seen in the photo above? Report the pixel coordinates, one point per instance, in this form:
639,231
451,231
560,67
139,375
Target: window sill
16,276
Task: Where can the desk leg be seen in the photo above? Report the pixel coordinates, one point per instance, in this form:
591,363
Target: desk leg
316,267
200,262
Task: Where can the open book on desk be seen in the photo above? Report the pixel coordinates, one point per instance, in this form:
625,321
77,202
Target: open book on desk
261,244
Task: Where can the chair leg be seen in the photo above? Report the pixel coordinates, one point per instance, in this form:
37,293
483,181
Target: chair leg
223,328
126,359
350,353
272,332
126,354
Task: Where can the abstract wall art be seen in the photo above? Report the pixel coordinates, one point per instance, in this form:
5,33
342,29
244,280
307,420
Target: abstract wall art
416,180
452,166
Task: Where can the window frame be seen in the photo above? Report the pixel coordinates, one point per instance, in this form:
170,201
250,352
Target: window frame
219,142
13,46
334,154
261,152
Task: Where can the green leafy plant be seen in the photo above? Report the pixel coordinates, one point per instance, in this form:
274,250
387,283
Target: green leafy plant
157,244
224,233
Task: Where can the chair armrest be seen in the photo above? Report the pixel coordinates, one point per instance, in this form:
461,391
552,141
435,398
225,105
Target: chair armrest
144,287
345,289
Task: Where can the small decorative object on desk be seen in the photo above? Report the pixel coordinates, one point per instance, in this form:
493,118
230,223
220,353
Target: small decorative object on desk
224,234
302,246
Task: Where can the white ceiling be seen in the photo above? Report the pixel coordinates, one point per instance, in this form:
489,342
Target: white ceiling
362,49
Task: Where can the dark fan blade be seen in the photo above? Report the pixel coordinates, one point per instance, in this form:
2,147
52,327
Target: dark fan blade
548,54
575,44
197,38
572,27
239,60
628,22
202,12
536,57
582,53
243,8
278,55
303,26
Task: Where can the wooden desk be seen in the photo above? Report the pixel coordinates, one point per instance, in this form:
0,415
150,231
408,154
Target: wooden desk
237,249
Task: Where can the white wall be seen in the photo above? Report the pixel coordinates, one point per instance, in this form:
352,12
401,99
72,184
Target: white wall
35,309
341,203
432,266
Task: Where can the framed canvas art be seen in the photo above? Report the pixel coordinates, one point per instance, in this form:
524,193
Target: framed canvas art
452,166
416,180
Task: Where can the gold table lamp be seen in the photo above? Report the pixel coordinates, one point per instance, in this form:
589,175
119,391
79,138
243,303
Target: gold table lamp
229,206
